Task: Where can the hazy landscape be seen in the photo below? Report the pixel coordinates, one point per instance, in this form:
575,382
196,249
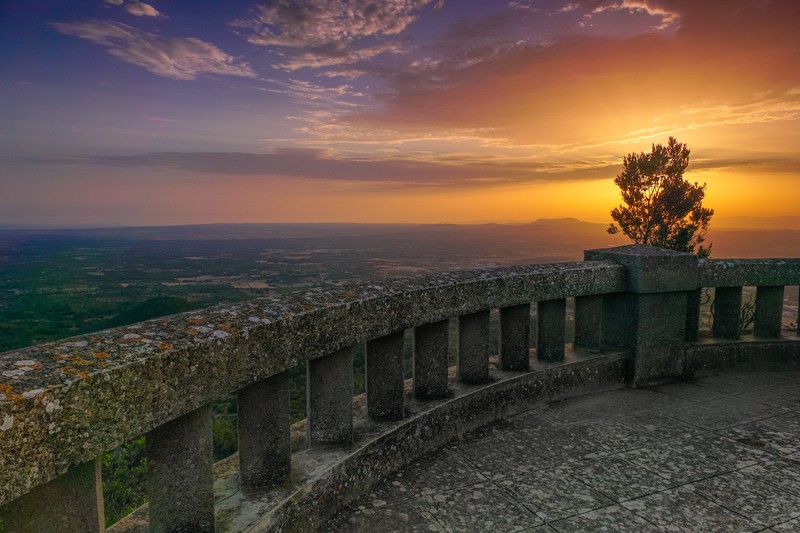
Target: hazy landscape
57,283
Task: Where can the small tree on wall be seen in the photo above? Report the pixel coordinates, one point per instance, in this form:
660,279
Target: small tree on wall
660,207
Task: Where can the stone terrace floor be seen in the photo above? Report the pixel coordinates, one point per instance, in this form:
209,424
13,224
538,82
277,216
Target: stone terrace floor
719,454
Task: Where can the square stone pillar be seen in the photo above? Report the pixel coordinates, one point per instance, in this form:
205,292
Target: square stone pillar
265,452
552,315
430,360
385,377
588,322
515,330
71,502
180,480
473,348
769,311
649,318
727,312
330,399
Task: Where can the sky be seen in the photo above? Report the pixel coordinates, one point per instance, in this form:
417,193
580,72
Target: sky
125,112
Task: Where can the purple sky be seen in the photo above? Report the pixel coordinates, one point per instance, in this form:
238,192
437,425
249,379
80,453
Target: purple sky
173,111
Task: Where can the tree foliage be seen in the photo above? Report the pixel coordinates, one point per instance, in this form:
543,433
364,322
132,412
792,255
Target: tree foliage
660,207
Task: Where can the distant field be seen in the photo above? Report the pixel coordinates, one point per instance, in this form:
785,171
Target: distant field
58,283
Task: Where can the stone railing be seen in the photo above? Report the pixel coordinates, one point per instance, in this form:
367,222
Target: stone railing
63,404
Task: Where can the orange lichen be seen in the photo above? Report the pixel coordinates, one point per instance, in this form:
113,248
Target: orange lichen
83,362
75,371
165,346
103,364
196,321
307,306
100,355
191,331
8,391
229,328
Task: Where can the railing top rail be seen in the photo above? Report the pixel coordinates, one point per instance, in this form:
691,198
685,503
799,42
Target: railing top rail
747,272
65,402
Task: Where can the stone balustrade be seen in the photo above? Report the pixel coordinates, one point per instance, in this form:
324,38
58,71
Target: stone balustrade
65,403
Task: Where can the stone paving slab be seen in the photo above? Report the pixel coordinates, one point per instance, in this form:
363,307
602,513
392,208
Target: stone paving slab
720,454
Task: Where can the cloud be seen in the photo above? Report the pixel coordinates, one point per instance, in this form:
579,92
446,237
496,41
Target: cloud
586,87
330,32
316,164
183,58
114,2
140,9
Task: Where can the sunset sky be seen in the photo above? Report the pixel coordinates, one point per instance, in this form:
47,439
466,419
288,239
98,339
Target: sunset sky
122,112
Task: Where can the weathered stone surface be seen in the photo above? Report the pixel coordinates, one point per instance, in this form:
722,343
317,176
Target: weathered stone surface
330,399
385,370
727,310
430,360
473,347
515,331
180,482
66,402
588,322
603,487
693,314
749,272
764,354
552,316
769,311
651,269
265,452
650,318
71,502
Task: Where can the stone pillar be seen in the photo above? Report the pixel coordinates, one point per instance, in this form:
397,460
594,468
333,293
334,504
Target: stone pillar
71,502
430,360
693,314
588,321
649,318
265,452
473,348
180,480
385,375
330,399
515,329
727,312
769,311
552,316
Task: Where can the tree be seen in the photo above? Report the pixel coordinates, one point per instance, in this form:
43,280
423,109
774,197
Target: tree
661,207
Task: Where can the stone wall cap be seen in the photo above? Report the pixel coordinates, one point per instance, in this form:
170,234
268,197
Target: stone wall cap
651,269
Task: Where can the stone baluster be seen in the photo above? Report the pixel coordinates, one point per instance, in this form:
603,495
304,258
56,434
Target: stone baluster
265,452
551,316
769,311
71,502
430,360
473,348
180,481
330,399
385,376
588,321
693,314
727,312
515,328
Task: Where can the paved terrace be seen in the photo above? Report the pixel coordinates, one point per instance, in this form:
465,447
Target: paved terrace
721,453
